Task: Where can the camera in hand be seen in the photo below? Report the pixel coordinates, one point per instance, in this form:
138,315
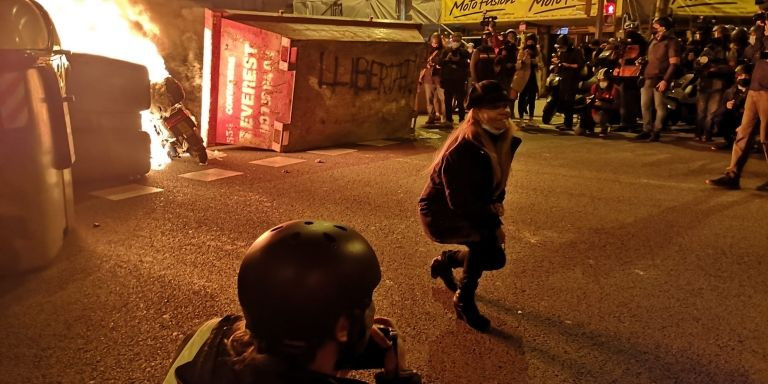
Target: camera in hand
373,355
488,21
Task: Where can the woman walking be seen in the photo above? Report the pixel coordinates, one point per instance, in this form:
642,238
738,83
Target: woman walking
526,84
462,201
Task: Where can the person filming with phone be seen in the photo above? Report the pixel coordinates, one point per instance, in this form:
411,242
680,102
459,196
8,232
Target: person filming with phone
306,291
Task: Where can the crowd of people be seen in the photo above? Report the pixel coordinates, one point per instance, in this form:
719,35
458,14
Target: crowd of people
711,76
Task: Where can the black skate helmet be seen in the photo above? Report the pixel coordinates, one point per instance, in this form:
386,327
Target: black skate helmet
299,278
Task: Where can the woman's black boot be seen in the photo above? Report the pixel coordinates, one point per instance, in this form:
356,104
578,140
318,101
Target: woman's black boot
466,308
441,267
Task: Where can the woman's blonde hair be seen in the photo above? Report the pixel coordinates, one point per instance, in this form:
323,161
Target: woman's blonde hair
242,347
500,151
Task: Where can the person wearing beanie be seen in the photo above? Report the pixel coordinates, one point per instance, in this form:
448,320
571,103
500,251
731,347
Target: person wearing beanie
462,202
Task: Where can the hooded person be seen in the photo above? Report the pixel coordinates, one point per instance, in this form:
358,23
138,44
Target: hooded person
462,202
306,292
603,100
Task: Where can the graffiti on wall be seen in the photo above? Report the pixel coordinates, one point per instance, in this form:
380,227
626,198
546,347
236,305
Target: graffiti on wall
365,74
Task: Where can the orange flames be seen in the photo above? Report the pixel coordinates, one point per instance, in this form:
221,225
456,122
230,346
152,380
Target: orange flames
116,29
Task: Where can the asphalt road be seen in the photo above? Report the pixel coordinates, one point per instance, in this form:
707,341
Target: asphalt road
623,266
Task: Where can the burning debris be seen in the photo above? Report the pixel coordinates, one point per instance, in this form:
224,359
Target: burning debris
143,32
173,123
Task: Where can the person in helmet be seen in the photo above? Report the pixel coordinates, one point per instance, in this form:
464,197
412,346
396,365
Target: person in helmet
715,76
306,291
603,101
462,202
728,116
739,43
569,63
663,59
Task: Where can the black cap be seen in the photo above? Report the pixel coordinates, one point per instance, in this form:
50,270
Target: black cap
487,93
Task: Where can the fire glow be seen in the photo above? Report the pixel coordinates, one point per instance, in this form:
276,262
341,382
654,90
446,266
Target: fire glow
115,29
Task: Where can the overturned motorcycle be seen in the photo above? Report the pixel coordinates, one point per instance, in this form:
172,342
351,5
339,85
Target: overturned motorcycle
176,126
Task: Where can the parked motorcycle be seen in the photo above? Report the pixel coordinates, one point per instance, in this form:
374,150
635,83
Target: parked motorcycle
681,101
551,90
176,126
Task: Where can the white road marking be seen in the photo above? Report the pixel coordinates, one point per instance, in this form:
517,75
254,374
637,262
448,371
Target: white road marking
125,192
278,161
332,151
210,174
378,143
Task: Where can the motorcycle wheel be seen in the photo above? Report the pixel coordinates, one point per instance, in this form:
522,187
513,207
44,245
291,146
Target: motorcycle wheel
548,113
196,148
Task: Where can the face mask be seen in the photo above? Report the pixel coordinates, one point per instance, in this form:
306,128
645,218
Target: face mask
743,82
603,84
493,131
455,45
752,40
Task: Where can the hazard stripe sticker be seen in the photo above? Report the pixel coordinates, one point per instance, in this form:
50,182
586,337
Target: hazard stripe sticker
14,108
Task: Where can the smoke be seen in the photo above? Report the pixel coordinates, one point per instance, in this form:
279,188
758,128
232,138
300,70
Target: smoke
179,38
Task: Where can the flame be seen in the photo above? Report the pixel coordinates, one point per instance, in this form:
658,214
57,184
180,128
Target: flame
115,29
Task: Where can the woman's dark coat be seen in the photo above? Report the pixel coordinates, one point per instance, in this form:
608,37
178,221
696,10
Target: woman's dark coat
456,206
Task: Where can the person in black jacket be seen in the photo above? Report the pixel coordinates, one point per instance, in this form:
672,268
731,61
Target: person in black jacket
455,74
713,71
462,202
482,63
728,116
569,63
306,291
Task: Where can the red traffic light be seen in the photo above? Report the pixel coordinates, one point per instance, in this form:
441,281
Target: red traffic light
609,8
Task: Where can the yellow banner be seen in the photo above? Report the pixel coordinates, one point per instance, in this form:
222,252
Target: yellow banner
713,7
471,11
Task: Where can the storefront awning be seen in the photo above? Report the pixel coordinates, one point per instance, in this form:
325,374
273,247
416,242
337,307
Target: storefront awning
744,8
471,11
